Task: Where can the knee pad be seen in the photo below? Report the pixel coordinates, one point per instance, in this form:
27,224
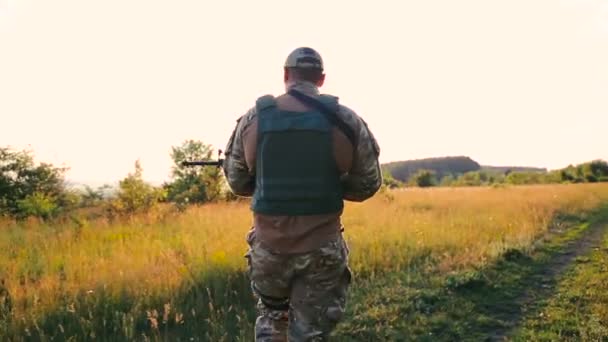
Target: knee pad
272,303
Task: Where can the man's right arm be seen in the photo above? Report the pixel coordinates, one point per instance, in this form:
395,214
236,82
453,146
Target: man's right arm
236,170
365,177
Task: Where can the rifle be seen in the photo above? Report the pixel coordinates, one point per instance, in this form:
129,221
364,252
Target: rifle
219,162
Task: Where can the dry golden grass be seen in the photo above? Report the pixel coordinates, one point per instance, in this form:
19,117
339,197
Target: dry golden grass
145,256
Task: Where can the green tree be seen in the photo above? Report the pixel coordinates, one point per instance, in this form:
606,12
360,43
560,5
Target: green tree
588,174
473,178
478,178
599,170
29,189
567,175
447,180
424,178
521,178
388,181
135,195
193,184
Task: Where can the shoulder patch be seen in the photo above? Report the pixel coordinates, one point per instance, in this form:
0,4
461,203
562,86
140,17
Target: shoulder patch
264,102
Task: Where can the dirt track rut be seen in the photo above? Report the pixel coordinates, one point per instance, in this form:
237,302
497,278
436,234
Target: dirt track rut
545,282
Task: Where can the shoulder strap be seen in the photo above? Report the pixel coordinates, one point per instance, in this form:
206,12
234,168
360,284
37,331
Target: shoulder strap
331,102
328,105
265,102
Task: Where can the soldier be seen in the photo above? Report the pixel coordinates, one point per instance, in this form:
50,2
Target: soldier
300,155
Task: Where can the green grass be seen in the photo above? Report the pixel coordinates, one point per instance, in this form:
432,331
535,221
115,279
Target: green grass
578,311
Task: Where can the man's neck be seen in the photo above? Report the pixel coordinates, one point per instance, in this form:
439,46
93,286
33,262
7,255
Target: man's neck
308,88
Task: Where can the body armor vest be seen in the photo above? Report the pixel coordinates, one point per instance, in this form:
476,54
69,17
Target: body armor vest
296,172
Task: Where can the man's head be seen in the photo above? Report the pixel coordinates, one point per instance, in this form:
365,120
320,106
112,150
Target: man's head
304,64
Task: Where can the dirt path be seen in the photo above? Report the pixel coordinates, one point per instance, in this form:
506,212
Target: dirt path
542,285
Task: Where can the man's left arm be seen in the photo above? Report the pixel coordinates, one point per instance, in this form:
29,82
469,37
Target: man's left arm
365,177
236,170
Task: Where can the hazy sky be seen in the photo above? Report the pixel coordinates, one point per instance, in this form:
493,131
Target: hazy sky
96,85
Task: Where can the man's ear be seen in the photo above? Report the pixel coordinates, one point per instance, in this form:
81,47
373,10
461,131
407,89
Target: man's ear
321,80
285,75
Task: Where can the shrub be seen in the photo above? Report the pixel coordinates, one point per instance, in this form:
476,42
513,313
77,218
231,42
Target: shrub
135,195
424,178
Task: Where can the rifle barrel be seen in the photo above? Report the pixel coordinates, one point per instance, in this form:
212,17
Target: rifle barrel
202,163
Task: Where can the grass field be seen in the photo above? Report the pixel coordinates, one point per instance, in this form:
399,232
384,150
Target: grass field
179,276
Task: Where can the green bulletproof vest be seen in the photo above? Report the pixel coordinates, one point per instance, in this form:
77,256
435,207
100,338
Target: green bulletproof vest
296,172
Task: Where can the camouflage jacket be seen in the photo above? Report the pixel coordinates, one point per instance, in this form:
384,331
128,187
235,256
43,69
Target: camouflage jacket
361,182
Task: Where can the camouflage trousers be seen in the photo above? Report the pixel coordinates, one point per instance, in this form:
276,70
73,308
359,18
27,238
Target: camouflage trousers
301,297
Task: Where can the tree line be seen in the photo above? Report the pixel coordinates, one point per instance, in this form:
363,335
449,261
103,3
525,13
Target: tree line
40,190
28,189
589,172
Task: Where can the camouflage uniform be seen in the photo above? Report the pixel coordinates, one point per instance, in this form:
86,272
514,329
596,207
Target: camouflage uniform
302,295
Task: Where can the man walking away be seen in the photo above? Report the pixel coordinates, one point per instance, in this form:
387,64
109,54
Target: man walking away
299,156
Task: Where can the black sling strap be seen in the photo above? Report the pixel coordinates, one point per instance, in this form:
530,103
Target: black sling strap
331,116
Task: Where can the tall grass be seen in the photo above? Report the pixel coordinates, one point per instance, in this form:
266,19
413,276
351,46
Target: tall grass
180,275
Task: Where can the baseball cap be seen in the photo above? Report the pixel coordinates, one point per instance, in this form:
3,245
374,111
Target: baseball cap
304,57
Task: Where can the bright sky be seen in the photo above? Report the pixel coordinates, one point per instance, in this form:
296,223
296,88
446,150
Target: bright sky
96,85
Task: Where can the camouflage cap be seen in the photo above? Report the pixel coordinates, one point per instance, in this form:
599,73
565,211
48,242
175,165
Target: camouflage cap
304,57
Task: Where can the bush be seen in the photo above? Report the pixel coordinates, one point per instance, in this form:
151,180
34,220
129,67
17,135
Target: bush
447,180
389,181
424,178
521,178
135,195
37,204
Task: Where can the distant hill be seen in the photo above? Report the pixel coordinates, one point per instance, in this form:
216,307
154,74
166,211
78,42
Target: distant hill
454,166
443,166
